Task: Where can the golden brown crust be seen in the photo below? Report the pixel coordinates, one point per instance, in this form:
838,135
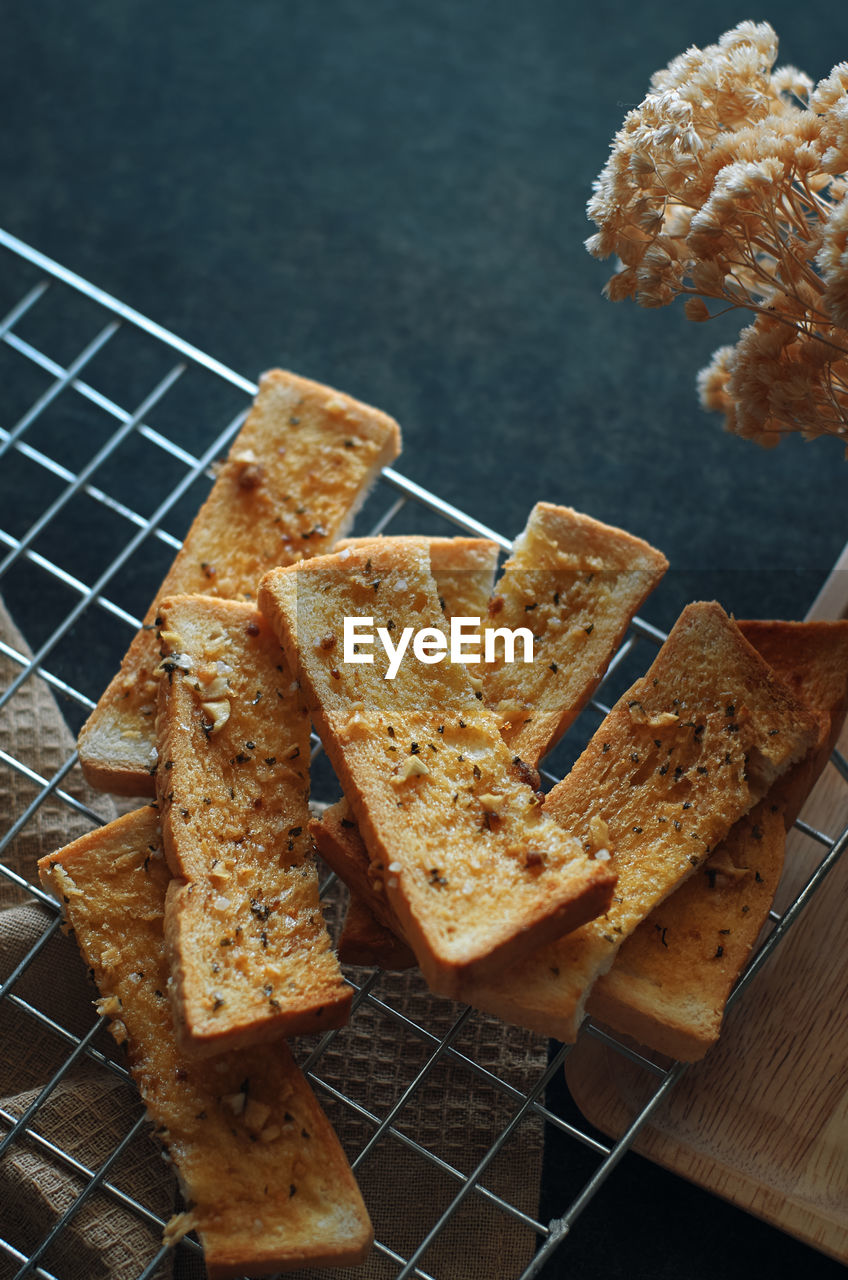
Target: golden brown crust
419,757
296,473
576,584
270,1186
251,957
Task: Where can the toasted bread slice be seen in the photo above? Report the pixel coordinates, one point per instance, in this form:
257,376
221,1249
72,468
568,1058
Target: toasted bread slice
463,570
475,872
671,979
576,583
250,954
269,1185
300,466
686,752
670,982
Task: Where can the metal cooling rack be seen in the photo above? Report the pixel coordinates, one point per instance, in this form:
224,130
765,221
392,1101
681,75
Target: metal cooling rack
61,342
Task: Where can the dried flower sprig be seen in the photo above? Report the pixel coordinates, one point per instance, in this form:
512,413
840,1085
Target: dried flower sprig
727,184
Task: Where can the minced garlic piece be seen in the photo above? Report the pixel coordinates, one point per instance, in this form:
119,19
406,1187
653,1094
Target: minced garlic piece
598,831
211,688
661,720
172,639
218,712
118,1031
356,726
723,868
255,1114
412,767
108,1006
217,644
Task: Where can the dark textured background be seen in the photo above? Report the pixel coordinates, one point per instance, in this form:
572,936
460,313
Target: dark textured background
389,197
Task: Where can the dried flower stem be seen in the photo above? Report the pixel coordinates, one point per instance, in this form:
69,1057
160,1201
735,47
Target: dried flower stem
728,184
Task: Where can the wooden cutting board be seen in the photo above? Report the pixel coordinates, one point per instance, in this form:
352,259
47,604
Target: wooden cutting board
763,1119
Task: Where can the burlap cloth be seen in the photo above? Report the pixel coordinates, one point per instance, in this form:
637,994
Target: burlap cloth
454,1114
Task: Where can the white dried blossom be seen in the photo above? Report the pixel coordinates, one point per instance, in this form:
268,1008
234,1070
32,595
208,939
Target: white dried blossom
833,256
729,183
789,80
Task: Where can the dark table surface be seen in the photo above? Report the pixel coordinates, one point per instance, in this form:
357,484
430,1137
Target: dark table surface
390,198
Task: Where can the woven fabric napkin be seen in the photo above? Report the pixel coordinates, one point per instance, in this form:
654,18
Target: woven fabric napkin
453,1111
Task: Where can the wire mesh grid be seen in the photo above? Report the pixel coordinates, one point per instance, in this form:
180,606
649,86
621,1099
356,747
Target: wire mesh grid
94,396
